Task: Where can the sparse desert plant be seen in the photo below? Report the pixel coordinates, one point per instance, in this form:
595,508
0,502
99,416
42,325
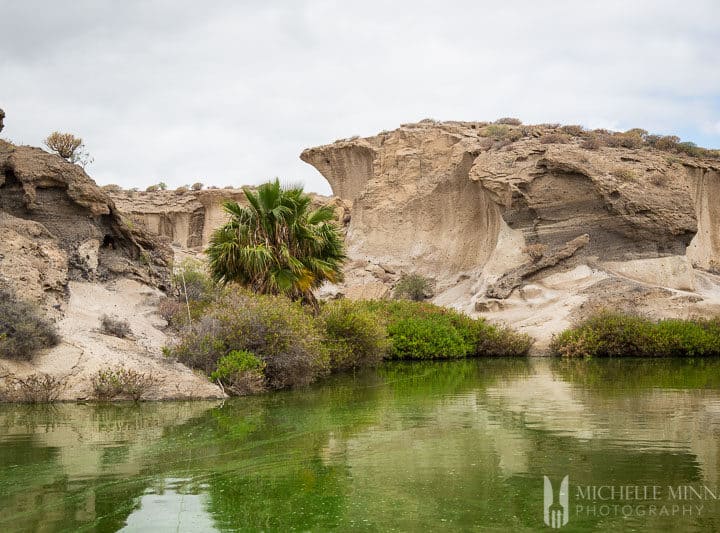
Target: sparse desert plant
535,251
553,138
152,188
114,326
69,147
197,186
413,287
34,388
574,130
667,142
182,190
112,188
510,121
629,139
658,179
625,174
23,331
593,142
109,384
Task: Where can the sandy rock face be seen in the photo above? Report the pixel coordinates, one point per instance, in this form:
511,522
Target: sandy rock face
485,210
188,218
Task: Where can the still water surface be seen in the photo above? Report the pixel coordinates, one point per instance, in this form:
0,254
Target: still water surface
434,447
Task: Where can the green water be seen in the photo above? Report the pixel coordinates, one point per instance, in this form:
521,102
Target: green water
409,447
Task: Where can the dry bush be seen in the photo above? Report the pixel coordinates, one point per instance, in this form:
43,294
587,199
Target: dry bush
182,190
554,138
625,174
115,327
593,142
69,147
152,188
112,188
574,130
35,388
109,384
197,186
630,139
510,121
23,331
658,179
535,251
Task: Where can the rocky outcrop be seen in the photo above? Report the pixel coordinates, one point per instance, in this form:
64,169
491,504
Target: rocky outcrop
187,218
58,207
469,204
65,246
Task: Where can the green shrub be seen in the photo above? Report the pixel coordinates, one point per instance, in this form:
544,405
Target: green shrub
354,336
240,372
22,330
426,338
610,334
412,325
413,287
279,332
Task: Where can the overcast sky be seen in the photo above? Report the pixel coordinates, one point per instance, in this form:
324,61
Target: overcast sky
230,92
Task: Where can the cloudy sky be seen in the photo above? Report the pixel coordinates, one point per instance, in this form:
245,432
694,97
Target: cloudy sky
229,92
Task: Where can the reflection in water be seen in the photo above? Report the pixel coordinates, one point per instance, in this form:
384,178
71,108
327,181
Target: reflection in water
459,445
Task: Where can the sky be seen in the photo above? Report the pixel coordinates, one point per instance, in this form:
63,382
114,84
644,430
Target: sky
229,92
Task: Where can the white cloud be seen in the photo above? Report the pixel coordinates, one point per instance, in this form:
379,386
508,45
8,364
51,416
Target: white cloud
231,92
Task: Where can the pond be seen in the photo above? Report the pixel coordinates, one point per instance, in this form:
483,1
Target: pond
454,446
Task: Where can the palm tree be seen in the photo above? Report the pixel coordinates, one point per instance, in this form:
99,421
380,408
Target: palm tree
277,245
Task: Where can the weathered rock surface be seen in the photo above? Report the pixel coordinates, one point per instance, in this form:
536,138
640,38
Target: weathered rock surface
65,246
188,218
469,203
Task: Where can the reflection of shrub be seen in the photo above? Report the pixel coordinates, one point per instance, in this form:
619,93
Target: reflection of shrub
115,327
280,333
240,372
22,330
413,287
617,335
354,335
109,384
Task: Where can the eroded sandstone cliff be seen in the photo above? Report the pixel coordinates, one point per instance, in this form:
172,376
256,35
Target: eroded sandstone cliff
529,224
65,247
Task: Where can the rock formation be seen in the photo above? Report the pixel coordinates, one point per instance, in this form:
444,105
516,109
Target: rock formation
187,218
66,247
531,224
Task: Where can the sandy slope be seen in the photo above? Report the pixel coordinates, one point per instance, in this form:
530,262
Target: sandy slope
84,350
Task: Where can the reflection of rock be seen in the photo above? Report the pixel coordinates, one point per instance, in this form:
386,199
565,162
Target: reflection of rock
659,419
